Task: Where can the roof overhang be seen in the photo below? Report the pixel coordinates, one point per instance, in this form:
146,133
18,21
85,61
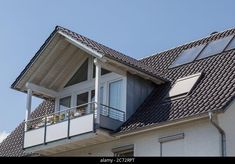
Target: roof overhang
57,59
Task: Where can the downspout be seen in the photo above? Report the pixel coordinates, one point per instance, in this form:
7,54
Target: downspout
222,133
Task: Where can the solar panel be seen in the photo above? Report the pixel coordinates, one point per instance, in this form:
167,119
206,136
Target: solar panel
187,56
215,47
231,45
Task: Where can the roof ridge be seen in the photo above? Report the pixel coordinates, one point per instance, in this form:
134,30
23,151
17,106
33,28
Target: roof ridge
188,43
63,28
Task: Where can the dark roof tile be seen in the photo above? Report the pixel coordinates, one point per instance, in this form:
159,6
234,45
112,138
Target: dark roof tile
213,92
13,144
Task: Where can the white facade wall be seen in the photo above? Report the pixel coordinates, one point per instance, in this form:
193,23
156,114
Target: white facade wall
227,122
200,139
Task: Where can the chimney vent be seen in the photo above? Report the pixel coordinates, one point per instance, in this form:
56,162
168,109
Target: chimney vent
215,32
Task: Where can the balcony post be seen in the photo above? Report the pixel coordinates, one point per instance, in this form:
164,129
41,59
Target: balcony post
28,107
97,88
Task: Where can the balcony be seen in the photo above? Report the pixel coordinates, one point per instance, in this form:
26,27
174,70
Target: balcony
72,128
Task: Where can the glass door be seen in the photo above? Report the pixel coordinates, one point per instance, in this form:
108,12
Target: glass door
115,100
82,100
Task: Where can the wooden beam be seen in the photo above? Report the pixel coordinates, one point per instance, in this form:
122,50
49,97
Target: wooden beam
45,58
51,62
40,57
97,88
58,66
69,70
41,90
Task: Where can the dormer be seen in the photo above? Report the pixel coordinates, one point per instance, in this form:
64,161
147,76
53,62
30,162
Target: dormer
95,90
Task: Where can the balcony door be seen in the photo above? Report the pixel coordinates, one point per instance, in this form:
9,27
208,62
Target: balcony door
65,103
84,101
115,94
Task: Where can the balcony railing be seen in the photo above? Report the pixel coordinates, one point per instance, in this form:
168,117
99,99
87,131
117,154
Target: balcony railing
74,112
67,123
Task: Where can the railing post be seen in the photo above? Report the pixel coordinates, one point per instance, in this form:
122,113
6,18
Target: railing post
45,129
68,136
97,89
28,107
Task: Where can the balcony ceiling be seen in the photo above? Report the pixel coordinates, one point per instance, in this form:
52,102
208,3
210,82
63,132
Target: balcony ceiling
54,66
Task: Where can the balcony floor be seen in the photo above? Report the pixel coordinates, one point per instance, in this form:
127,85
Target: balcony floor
75,142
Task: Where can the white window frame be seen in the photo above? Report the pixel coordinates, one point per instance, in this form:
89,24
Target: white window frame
89,85
183,94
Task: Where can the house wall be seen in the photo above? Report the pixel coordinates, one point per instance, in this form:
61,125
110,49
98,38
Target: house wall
200,139
227,121
137,90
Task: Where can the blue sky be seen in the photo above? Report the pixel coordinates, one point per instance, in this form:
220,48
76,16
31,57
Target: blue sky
137,28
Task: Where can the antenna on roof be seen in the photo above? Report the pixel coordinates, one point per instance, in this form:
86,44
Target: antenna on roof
215,32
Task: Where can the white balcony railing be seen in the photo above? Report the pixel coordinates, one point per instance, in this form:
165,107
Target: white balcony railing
67,123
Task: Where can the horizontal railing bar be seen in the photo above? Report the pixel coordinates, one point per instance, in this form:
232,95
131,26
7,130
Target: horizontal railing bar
112,108
60,111
118,114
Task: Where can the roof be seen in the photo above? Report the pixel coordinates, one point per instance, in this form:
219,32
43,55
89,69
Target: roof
213,92
13,144
102,49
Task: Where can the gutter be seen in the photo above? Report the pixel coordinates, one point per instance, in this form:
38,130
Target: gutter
222,133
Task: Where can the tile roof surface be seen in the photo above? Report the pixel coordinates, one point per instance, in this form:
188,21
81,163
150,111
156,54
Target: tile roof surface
214,91
13,144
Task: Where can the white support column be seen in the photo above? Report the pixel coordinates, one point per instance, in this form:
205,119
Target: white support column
97,88
28,106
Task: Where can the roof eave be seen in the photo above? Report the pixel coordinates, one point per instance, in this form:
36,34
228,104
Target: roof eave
161,125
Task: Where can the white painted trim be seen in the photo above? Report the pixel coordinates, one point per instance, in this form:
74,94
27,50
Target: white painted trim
81,46
28,107
124,95
88,84
42,90
97,88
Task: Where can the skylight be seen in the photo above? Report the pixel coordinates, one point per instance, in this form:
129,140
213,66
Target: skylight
231,45
183,85
187,56
215,47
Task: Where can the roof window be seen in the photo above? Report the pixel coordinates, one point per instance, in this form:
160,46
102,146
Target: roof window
215,47
231,45
205,50
188,56
183,86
